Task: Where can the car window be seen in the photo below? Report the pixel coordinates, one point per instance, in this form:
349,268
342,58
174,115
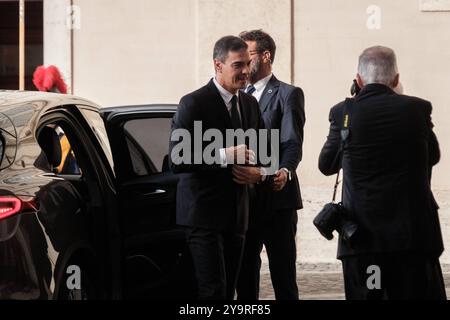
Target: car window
57,153
69,164
148,144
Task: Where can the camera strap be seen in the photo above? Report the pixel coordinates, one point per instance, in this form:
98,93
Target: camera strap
345,133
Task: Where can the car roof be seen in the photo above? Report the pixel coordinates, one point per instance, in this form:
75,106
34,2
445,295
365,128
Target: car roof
112,112
48,99
161,107
42,101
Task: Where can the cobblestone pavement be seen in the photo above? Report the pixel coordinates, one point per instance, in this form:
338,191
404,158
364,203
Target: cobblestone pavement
319,274
319,282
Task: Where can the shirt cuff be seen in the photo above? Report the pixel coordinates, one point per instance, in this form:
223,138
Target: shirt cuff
288,173
263,174
223,158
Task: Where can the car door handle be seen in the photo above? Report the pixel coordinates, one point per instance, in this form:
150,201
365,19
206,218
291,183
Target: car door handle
156,192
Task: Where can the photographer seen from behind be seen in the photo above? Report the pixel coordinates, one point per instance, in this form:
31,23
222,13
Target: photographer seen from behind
386,160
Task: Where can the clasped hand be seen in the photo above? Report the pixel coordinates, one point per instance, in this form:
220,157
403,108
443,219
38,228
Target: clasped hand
242,155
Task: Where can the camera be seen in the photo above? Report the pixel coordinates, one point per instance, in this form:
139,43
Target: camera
355,89
332,217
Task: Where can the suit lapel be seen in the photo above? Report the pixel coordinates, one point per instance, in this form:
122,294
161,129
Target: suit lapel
218,104
269,93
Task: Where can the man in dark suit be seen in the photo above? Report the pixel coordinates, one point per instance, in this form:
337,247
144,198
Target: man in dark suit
387,163
274,213
212,198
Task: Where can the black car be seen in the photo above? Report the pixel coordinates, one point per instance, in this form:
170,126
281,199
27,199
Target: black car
87,201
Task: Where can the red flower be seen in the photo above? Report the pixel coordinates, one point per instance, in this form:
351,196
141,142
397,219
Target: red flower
49,79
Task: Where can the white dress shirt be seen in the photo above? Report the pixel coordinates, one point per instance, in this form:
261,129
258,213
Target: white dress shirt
260,86
226,96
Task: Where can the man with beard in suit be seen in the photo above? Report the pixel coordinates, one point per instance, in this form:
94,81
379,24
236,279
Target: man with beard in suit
273,220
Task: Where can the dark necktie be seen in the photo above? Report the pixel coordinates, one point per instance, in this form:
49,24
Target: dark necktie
250,89
235,120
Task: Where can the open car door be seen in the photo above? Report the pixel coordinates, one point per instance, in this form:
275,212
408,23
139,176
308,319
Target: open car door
156,263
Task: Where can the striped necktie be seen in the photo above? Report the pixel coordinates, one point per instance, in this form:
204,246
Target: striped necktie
250,89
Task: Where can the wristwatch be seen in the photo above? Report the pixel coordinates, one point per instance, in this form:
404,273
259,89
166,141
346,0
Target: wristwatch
289,174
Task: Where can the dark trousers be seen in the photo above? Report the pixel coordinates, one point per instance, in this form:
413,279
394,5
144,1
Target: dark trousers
403,276
277,234
216,257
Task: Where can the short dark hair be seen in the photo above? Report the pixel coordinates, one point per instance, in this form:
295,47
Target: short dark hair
263,41
227,44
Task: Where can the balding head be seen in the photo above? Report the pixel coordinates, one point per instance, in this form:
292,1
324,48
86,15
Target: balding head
378,65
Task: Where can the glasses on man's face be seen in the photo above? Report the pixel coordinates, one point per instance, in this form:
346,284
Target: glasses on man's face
255,52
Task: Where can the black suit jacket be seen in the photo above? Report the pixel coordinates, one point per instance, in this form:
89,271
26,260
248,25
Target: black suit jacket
282,107
387,164
207,196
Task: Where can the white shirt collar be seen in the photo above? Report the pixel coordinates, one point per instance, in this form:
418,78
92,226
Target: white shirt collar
226,95
261,84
